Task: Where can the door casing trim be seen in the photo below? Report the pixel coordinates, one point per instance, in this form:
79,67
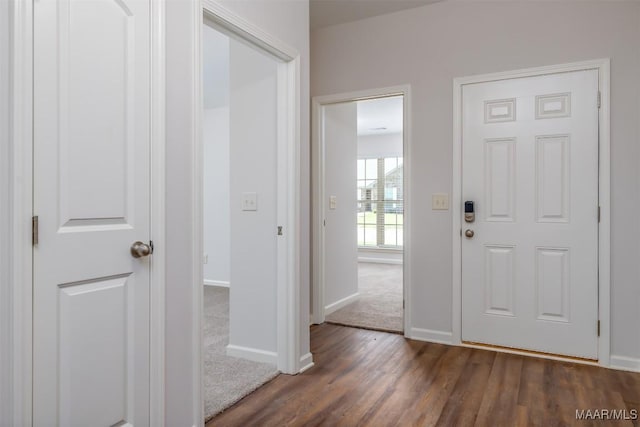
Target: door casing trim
604,229
318,175
21,188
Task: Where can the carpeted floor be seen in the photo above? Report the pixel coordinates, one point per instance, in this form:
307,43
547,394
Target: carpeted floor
379,305
226,379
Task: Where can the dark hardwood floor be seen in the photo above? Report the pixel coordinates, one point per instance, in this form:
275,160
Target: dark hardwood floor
364,377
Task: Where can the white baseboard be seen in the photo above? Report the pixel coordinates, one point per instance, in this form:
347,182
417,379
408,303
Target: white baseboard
220,283
253,354
430,335
380,260
340,303
306,362
624,363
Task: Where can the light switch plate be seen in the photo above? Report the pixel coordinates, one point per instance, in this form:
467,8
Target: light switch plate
440,201
333,202
249,201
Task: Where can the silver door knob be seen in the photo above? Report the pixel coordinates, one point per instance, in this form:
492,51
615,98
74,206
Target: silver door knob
469,233
139,249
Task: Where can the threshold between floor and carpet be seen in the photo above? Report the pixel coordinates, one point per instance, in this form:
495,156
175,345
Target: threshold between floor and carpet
379,304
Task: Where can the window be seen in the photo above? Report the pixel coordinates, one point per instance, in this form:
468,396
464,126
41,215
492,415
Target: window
380,202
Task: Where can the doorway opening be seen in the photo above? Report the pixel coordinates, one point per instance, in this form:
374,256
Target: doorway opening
360,254
239,214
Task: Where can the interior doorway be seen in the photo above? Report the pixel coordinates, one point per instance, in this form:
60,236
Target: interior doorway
359,258
239,218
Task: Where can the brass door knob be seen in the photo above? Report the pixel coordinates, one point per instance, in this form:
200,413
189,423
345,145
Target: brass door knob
469,233
139,250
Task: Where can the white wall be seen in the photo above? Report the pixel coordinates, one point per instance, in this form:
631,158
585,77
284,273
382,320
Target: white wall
340,234
215,138
216,204
384,145
287,20
181,407
215,68
427,48
253,132
5,293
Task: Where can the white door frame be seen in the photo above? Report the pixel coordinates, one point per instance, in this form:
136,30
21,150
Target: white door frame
318,196
21,184
604,229
288,215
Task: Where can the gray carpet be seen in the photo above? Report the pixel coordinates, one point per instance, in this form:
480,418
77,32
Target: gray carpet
379,305
226,379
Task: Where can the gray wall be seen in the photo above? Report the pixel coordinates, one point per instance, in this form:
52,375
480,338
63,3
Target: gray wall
428,47
287,20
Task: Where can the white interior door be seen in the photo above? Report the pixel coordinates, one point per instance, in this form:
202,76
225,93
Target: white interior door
91,194
530,165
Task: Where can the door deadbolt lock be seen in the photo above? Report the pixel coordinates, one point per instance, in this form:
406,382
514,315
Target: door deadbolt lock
469,213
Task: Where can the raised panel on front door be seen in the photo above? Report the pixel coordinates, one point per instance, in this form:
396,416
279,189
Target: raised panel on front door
94,330
552,178
500,171
499,279
553,106
500,110
552,284
96,112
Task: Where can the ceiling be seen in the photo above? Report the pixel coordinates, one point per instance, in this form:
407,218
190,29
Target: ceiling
380,116
324,13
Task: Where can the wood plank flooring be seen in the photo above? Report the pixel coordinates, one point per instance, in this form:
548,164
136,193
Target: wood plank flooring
371,378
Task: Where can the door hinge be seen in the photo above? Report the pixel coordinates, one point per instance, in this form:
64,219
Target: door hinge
279,230
599,99
403,304
598,213
598,328
34,230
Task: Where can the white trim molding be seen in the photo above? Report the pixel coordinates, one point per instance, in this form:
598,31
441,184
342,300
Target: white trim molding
430,335
604,229
624,363
158,209
218,283
340,303
21,188
252,354
318,310
380,260
306,362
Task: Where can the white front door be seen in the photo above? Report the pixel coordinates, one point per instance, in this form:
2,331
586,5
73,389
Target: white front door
530,165
91,195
